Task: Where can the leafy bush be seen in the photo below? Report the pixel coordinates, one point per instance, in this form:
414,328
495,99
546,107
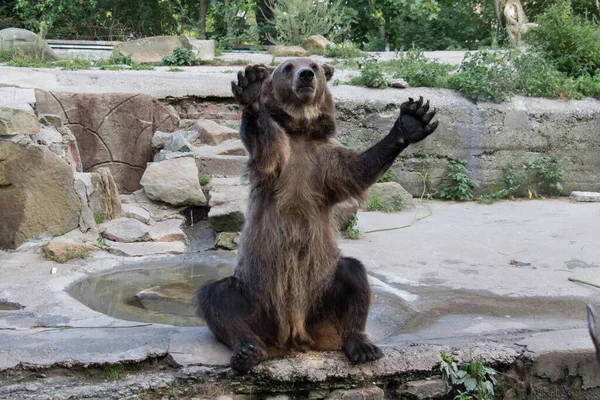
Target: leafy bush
371,74
589,86
352,231
569,41
461,186
417,70
475,377
204,179
119,59
295,20
536,76
512,184
389,176
548,174
485,76
343,50
181,56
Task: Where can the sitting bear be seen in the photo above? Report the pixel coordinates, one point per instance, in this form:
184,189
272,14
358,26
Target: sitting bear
291,289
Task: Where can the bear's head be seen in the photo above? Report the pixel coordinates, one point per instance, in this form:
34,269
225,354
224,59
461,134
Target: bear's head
300,83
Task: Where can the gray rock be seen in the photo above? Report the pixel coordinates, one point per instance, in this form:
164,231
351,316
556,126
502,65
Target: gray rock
145,248
226,240
592,197
134,211
181,145
150,49
228,217
125,230
372,393
202,50
211,133
232,147
167,231
34,243
158,211
427,389
220,194
318,394
21,41
388,193
343,212
173,298
174,182
398,83
21,120
163,155
162,140
51,120
86,218
127,199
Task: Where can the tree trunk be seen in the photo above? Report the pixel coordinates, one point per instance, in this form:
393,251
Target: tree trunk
264,14
202,19
512,18
227,17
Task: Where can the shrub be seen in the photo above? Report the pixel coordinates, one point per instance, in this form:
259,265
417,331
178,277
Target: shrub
181,56
417,70
119,59
589,86
536,76
461,186
485,76
548,173
389,176
569,41
351,230
204,179
343,50
371,74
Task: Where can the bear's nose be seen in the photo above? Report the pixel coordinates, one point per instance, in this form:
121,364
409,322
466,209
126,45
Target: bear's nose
306,74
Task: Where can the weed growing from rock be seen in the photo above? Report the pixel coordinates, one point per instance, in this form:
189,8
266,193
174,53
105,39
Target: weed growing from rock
377,203
389,176
351,230
475,378
461,185
204,179
70,254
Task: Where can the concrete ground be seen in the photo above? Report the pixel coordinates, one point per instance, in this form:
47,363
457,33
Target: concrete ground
478,279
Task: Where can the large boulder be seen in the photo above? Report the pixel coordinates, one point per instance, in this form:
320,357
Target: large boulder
153,49
113,130
36,194
389,196
18,120
317,43
211,133
174,182
287,51
202,50
15,41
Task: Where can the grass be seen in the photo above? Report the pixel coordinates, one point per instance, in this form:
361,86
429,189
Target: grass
175,69
343,50
417,70
70,254
114,372
98,217
204,179
378,203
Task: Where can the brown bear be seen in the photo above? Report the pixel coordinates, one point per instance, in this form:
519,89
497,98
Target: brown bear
292,289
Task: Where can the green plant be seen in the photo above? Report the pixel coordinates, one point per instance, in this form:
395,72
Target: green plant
141,67
548,174
485,76
119,59
98,217
588,85
389,176
114,372
461,185
536,76
101,244
477,379
74,64
417,70
343,50
512,184
378,203
204,179
69,254
351,230
174,69
371,74
181,56
569,41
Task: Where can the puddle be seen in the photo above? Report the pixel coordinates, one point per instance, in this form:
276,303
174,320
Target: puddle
6,305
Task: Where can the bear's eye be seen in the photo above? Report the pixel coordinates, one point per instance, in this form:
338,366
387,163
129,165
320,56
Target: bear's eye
288,68
314,67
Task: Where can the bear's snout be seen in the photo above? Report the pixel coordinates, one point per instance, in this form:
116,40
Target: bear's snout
306,75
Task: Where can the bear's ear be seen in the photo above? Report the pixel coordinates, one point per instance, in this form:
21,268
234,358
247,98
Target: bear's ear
329,70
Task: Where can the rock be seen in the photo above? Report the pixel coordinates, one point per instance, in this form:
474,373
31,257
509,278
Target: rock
36,194
220,194
51,120
388,192
232,147
372,393
228,217
62,251
222,165
593,197
426,389
167,231
76,236
202,50
145,248
34,243
86,218
18,120
162,140
158,211
211,133
286,51
174,182
125,230
163,155
398,83
318,43
317,394
14,41
136,212
150,49
113,130
278,397
127,199
108,193
174,298
181,145
344,212
226,240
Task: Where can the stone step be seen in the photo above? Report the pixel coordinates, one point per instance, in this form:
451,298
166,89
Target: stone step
222,165
145,248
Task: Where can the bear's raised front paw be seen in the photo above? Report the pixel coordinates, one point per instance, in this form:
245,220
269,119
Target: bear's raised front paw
247,356
359,349
249,83
413,124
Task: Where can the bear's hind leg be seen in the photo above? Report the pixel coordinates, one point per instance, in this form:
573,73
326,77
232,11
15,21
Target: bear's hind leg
228,312
346,306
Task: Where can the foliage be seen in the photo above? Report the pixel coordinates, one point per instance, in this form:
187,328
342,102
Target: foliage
570,42
70,254
119,59
477,379
295,20
377,203
343,50
74,64
180,56
485,76
114,372
417,70
351,230
461,186
98,217
204,179
389,176
589,86
537,77
174,69
546,176
512,183
101,244
371,74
